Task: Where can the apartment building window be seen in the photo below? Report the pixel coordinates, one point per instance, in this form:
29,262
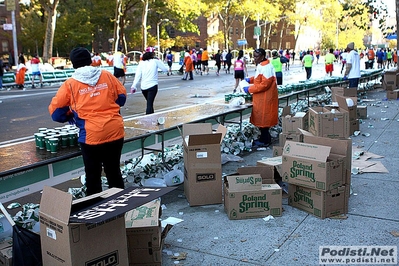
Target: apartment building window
288,32
237,32
274,45
2,2
231,31
4,46
288,45
3,20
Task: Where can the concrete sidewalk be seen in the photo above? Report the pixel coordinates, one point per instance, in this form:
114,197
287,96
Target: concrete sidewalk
207,237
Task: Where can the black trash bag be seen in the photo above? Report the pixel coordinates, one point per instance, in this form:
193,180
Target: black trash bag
26,249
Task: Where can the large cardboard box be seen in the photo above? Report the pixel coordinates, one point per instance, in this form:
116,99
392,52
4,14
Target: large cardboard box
322,204
246,197
341,147
144,233
273,164
202,164
347,92
291,122
331,123
283,137
362,111
343,102
266,172
91,230
393,95
312,166
6,252
390,80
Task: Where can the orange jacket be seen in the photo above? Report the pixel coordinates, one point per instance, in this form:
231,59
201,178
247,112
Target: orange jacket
188,63
20,75
264,96
94,107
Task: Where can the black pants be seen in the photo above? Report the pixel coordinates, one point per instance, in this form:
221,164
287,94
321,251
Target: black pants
149,95
265,136
95,157
308,72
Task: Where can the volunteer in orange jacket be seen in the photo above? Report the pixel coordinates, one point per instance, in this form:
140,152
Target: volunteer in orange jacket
91,99
264,98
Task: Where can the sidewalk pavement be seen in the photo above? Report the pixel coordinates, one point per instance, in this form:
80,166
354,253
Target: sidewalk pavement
207,237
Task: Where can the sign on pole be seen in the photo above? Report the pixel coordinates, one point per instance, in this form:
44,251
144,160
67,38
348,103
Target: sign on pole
10,5
257,31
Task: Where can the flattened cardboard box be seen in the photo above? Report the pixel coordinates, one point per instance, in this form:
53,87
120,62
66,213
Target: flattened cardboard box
74,232
322,204
246,197
202,163
312,166
324,122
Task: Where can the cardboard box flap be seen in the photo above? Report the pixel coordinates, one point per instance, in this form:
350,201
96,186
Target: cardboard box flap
144,216
244,182
250,170
196,129
338,146
306,151
223,130
56,204
286,110
342,101
204,139
116,205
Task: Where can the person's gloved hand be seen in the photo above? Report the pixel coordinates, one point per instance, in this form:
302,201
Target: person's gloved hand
246,89
133,90
247,79
345,78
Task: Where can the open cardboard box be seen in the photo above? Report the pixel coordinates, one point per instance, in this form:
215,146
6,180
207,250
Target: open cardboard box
246,196
90,230
202,163
325,122
312,166
291,122
145,236
322,204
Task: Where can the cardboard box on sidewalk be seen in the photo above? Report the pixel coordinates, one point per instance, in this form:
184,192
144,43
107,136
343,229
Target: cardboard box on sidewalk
277,151
390,80
291,122
283,137
144,234
266,172
6,252
329,123
349,104
362,111
393,95
246,197
274,164
90,230
202,163
347,92
312,166
322,204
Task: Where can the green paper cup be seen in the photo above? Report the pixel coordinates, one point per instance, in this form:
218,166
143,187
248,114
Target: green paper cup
64,136
46,140
39,139
53,145
73,138
42,129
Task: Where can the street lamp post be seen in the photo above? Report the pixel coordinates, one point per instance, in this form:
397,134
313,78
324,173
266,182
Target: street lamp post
159,23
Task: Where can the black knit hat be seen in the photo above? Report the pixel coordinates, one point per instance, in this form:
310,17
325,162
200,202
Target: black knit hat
80,57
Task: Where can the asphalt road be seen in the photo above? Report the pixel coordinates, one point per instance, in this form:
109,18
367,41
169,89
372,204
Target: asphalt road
23,112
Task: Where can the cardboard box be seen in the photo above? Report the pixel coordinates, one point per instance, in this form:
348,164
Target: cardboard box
144,233
202,164
390,80
393,95
351,109
291,122
266,172
329,123
322,204
246,197
341,147
283,137
273,164
6,252
361,111
347,92
312,166
91,230
353,126
277,151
